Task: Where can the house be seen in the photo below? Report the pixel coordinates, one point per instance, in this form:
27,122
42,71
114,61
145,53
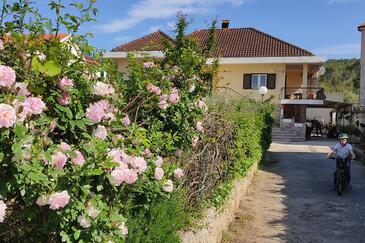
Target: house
249,59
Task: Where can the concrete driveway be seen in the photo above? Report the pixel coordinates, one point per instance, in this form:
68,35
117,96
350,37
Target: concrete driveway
292,200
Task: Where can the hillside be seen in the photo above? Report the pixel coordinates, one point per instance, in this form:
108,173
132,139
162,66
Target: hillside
342,75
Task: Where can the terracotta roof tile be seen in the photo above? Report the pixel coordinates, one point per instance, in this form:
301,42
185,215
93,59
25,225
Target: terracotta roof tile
230,42
151,42
248,42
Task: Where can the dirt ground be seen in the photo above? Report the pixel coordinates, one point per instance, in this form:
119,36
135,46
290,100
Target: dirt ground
292,200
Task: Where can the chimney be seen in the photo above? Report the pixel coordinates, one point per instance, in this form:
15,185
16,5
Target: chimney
225,24
361,28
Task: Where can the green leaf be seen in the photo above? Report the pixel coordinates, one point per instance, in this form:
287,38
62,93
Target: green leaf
20,130
50,68
96,172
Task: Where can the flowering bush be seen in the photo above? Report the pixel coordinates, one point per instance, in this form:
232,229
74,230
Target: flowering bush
82,151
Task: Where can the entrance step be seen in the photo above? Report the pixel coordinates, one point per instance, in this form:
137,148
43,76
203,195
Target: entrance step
285,135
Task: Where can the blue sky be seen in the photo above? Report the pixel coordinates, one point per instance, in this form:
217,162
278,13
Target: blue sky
326,27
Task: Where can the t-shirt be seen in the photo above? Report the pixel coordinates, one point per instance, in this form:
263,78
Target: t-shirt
343,151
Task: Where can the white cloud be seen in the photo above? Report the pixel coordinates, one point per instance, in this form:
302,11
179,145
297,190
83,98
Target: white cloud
154,28
340,1
347,49
162,9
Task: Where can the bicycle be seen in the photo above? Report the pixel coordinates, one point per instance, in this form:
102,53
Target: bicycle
339,176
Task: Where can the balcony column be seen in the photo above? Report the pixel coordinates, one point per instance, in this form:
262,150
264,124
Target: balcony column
305,76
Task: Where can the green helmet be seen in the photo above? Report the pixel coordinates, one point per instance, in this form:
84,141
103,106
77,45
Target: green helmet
343,136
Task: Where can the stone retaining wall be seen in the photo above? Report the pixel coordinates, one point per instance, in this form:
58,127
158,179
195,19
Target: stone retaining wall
211,227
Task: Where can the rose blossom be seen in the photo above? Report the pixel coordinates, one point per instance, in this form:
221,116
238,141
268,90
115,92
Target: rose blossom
22,89
159,173
153,89
34,105
163,102
7,115
103,89
42,201
147,153
64,147
65,84
64,99
2,211
174,96
99,110
116,155
79,160
1,45
199,126
139,163
58,200
7,76
159,161
124,175
100,132
178,173
191,88
59,160
83,221
123,229
168,186
126,121
194,141
92,212
148,64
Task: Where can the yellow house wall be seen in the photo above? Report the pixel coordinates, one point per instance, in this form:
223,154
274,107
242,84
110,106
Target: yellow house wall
231,76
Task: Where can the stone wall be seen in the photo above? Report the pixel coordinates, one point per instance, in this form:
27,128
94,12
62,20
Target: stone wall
214,222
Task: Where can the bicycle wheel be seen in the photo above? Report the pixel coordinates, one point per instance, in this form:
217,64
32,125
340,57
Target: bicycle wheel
339,183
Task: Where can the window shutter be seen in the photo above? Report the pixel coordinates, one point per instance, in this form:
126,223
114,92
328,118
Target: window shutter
247,81
271,81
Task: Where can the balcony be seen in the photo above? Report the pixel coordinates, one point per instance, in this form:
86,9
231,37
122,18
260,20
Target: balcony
302,95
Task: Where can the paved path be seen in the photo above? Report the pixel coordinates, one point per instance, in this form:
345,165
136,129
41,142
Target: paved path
292,200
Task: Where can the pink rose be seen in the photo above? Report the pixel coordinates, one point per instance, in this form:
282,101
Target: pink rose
83,221
148,64
178,173
126,121
159,161
153,89
64,99
7,76
103,89
1,45
7,115
42,201
22,89
59,160
159,173
99,110
2,211
191,88
147,153
139,163
124,175
58,200
65,84
79,160
63,147
194,141
52,125
123,229
168,186
199,126
100,132
163,102
34,105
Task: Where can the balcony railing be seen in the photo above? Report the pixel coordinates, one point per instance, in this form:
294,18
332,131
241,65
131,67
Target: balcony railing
310,93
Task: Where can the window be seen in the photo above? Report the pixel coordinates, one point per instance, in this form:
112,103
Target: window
258,80
255,80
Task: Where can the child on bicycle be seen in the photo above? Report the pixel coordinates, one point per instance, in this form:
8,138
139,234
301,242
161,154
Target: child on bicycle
345,152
